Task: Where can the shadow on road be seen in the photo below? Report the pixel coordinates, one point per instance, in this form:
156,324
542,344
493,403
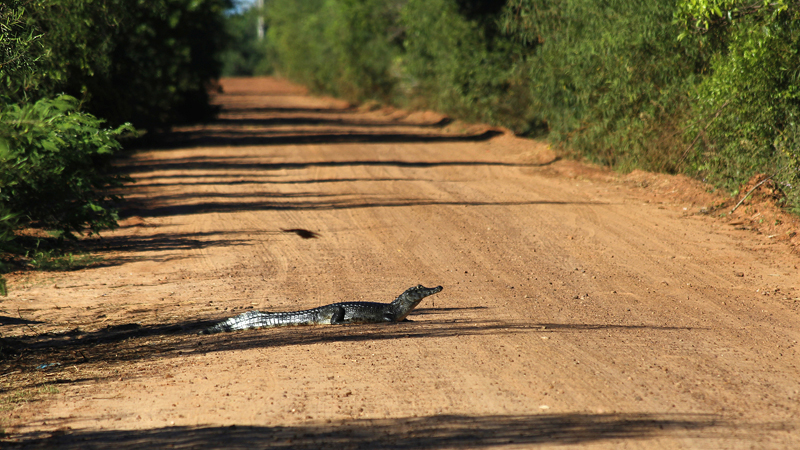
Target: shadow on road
6,320
283,110
269,138
235,128
164,241
291,121
222,165
431,432
177,180
111,345
222,207
116,250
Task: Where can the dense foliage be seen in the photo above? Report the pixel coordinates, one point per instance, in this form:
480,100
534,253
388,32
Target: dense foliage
457,60
705,87
69,66
244,53
147,62
53,166
750,98
611,77
344,47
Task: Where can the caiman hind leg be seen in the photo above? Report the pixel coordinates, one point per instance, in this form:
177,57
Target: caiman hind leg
337,315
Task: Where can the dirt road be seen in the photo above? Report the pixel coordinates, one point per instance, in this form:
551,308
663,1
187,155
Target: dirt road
579,309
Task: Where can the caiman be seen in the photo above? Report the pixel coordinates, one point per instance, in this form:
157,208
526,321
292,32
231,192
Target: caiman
333,314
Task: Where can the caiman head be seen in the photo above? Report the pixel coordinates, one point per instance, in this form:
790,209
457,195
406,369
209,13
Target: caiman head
409,300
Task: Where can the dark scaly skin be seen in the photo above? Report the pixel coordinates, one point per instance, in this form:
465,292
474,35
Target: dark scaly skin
333,314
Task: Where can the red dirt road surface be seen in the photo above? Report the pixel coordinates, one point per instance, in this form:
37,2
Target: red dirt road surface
581,309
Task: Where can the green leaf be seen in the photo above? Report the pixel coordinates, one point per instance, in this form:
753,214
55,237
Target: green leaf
49,146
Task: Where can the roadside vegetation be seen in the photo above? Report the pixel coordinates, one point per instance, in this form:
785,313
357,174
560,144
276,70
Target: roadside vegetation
76,78
244,52
708,88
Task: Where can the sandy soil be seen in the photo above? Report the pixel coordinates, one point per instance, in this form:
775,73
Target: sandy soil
580,308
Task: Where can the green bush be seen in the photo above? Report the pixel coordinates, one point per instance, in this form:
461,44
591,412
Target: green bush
244,54
342,47
751,97
296,39
457,61
54,166
20,48
147,62
365,44
63,64
610,78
